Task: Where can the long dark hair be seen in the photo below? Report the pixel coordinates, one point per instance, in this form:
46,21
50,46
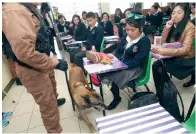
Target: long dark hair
77,16
104,13
121,14
181,26
137,23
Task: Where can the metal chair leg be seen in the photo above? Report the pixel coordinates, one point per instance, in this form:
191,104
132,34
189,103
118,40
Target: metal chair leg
147,87
190,108
66,77
13,101
170,76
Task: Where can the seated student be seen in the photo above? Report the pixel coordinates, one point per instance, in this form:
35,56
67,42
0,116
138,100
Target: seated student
132,50
154,19
84,13
126,13
78,29
118,30
178,29
107,24
44,11
193,15
63,25
118,15
94,34
98,18
159,8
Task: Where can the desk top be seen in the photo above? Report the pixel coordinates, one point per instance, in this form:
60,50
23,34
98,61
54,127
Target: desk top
147,119
101,68
68,37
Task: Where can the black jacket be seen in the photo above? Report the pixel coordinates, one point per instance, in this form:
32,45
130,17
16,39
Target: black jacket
94,37
117,19
135,55
108,28
79,33
61,27
155,19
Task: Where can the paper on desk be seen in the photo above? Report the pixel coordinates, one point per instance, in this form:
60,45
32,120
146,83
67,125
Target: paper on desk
110,37
77,42
94,68
66,37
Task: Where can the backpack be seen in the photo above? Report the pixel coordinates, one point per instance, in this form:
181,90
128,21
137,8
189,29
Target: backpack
142,99
167,94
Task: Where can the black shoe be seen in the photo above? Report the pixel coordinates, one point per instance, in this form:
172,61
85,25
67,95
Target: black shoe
189,83
54,53
61,101
18,82
114,104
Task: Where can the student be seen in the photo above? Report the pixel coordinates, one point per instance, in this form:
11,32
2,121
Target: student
44,11
178,29
95,35
192,15
63,25
78,30
118,30
132,49
118,15
126,12
159,8
154,19
98,18
107,24
84,13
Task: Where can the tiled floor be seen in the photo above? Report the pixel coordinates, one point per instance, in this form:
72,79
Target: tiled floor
27,118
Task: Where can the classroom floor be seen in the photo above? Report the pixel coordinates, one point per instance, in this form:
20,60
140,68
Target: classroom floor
27,119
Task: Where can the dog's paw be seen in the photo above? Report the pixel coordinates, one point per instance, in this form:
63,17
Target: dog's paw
92,129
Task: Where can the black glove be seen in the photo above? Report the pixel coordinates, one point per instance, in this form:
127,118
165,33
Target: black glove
62,65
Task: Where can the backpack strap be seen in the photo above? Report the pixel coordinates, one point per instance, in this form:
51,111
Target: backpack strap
190,108
34,11
182,115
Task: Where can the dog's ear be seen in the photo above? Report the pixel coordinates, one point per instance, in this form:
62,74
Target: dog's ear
97,96
78,84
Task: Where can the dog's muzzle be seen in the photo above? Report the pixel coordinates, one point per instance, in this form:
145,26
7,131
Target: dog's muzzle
100,107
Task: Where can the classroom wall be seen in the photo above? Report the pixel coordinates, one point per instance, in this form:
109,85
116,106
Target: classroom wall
105,7
6,75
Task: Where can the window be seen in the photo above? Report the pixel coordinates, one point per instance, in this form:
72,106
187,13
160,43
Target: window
68,9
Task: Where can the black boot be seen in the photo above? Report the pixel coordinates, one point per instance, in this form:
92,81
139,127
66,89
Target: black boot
191,82
117,99
18,82
54,53
61,101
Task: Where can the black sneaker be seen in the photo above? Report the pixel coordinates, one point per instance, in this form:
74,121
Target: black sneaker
18,82
114,104
61,101
189,83
54,53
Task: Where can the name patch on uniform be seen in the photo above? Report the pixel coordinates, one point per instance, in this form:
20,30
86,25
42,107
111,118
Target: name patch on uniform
135,48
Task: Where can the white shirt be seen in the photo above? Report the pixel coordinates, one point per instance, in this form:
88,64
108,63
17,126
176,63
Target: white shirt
96,24
192,17
131,42
85,23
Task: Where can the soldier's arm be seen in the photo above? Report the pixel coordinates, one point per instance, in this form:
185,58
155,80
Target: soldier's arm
20,30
